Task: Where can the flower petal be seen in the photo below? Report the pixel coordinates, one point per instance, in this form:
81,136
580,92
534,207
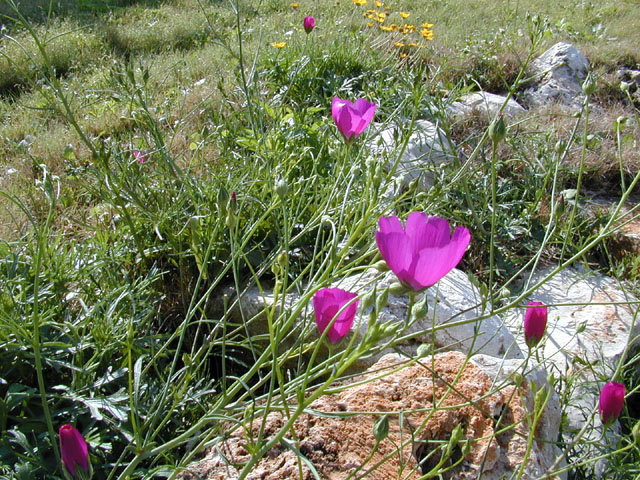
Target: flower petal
395,249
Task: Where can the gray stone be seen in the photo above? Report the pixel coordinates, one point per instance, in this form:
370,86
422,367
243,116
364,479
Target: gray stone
591,323
486,103
427,147
558,75
451,321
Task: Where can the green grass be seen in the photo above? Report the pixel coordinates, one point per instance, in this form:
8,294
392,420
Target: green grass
115,276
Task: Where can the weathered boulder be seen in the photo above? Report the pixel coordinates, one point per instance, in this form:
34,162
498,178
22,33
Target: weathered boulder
451,321
486,103
427,147
558,75
424,403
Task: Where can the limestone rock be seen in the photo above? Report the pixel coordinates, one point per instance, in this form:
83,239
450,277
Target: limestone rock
485,102
453,306
338,441
586,334
558,75
427,147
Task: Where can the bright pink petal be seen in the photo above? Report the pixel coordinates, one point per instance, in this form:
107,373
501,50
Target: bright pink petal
434,263
327,302
364,111
390,225
395,249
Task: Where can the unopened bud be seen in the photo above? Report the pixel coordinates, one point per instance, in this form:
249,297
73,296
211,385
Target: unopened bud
381,266
223,200
589,85
382,300
497,130
282,188
560,147
381,428
624,86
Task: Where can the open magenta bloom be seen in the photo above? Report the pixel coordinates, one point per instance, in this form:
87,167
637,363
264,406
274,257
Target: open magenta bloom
74,449
352,118
309,23
424,251
611,402
327,302
535,322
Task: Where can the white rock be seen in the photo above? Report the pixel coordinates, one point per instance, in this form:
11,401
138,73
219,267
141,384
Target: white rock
546,451
591,320
485,102
453,307
428,147
558,75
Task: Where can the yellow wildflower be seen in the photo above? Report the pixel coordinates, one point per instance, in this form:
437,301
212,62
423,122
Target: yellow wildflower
378,3
381,15
294,5
412,44
427,34
399,44
427,25
404,14
394,27
403,55
279,44
360,2
386,29
369,24
387,8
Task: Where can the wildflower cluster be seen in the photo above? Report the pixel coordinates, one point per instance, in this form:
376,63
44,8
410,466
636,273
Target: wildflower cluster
379,18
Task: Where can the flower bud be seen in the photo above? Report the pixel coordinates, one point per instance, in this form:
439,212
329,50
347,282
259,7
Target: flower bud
535,322
74,450
381,428
282,188
497,130
589,85
611,402
309,24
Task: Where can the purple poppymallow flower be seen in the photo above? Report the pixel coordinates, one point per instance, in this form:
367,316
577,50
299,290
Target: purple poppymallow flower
139,156
424,251
611,402
74,449
309,24
352,118
327,302
535,322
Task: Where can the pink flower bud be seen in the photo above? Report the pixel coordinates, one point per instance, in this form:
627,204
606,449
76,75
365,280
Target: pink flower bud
139,156
309,23
611,402
535,322
424,251
327,302
74,449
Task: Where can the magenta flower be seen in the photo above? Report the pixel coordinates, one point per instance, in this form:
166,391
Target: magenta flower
74,449
424,252
535,322
352,118
327,302
309,23
139,156
611,402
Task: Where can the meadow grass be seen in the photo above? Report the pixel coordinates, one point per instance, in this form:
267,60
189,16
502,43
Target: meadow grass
120,280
